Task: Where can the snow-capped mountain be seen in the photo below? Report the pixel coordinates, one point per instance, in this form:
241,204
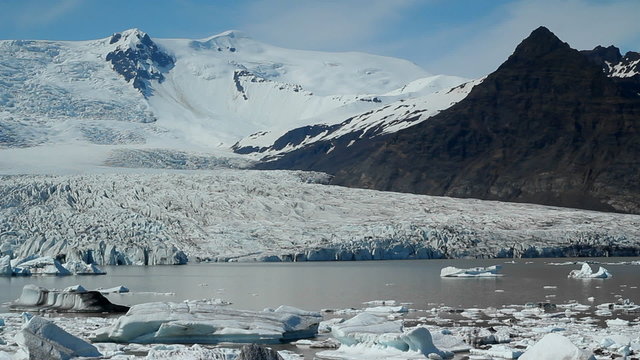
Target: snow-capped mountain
135,90
387,119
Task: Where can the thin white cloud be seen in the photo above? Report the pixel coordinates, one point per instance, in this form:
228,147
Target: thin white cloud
584,24
44,13
323,25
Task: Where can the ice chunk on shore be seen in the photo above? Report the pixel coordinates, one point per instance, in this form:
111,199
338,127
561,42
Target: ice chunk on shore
371,331
5,266
555,347
44,265
586,273
72,299
490,271
42,339
200,322
81,268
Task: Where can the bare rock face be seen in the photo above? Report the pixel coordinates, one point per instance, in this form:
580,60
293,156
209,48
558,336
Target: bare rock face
257,352
549,126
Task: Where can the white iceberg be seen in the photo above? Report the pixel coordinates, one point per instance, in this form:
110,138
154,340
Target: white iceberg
172,352
44,265
114,290
387,309
200,322
42,339
368,331
586,273
555,347
82,268
490,271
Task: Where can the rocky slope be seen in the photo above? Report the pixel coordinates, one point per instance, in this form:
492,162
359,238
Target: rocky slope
549,126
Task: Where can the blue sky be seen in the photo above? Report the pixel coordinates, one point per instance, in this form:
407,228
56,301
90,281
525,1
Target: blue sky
457,37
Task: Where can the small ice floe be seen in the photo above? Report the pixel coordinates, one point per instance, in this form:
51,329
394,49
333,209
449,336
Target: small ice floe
549,287
553,347
387,309
586,273
72,299
617,322
42,339
380,303
497,351
114,290
195,321
452,271
324,344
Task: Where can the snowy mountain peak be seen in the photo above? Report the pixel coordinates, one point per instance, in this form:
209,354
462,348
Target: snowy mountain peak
138,59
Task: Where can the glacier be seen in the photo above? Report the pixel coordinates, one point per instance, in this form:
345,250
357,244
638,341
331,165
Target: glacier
126,217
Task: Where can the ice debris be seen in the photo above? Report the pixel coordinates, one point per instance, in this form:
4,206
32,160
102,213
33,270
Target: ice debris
586,273
452,271
368,330
5,266
42,339
200,322
555,347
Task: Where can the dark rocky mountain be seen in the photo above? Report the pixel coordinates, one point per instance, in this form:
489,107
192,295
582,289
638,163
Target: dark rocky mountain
136,57
625,70
549,126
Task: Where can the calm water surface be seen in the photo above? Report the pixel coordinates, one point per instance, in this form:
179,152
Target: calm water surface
338,285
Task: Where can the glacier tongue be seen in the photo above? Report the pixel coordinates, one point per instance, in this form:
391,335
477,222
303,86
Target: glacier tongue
168,217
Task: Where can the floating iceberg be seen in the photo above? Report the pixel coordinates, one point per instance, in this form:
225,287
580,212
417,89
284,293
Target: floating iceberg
554,347
44,265
586,273
451,271
42,339
200,322
72,299
114,290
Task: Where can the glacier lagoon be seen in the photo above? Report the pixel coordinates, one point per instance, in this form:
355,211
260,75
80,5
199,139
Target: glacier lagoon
340,285
486,310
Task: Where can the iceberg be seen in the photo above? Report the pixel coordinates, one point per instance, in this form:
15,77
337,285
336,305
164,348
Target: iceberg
43,265
114,290
586,273
205,323
554,347
71,299
42,339
368,331
491,271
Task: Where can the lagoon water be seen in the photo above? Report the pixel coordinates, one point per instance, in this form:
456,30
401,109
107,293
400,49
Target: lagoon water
339,285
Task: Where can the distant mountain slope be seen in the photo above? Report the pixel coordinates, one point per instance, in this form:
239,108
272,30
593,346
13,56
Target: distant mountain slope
132,89
549,126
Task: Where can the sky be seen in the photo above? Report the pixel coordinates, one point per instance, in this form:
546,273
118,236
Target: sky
469,38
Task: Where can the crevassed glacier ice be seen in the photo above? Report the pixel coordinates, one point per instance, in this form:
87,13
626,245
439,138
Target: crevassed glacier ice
161,217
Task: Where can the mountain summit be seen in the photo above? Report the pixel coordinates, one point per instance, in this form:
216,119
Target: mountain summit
549,126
